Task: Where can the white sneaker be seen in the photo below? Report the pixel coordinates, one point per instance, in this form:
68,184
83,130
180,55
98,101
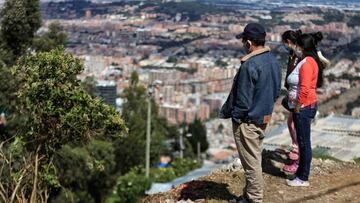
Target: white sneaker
297,182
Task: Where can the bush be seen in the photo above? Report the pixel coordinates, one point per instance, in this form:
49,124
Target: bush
323,153
163,175
180,167
183,166
69,135
130,188
88,170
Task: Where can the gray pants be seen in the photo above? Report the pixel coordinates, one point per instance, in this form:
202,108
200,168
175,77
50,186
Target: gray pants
249,140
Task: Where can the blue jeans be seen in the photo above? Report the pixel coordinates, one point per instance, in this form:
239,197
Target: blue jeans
302,122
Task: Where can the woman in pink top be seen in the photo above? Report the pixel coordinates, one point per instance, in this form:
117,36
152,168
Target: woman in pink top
289,39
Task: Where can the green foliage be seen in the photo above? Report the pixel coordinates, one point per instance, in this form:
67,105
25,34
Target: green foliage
68,196
62,139
334,16
163,175
89,85
53,39
322,153
72,131
7,96
183,166
33,14
357,160
89,169
318,22
20,19
354,21
198,134
17,173
130,188
221,63
179,167
62,113
172,59
131,149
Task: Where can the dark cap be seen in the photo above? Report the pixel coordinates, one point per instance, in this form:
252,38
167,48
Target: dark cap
253,31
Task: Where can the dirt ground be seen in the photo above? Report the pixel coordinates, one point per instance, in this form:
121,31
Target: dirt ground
330,182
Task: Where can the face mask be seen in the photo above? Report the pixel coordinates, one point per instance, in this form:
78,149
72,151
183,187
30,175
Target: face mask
298,52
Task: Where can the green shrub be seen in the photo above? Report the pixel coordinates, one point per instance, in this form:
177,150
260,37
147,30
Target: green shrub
323,153
163,175
183,166
88,170
130,188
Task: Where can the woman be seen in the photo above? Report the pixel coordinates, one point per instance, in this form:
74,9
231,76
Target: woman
289,39
308,75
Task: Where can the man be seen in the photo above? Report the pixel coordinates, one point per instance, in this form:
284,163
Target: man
250,104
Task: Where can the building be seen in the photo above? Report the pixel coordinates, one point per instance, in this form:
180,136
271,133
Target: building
107,91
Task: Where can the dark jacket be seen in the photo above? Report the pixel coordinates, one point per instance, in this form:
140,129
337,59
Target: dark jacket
255,89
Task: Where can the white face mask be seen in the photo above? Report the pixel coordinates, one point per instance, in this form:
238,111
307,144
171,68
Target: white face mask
298,52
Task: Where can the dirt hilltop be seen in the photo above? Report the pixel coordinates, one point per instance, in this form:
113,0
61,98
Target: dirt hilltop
330,182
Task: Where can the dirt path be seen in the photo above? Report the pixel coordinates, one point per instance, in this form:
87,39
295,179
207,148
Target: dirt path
341,185
330,182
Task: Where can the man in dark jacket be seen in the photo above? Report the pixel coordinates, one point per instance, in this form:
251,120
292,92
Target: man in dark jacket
250,104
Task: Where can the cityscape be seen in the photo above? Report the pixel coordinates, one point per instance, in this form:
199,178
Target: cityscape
185,55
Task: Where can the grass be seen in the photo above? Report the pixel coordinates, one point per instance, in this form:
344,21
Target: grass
322,153
357,160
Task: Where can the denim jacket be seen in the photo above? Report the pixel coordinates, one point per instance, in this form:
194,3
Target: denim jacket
255,89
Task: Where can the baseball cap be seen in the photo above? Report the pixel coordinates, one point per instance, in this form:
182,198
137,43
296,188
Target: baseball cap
254,31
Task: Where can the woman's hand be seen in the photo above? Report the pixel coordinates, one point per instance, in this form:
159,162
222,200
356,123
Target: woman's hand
297,108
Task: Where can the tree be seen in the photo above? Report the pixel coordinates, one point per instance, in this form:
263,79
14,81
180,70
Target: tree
172,59
66,125
89,85
89,171
220,63
60,109
198,134
54,38
33,15
132,148
8,101
20,19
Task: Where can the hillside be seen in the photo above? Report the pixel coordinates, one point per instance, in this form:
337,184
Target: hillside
330,181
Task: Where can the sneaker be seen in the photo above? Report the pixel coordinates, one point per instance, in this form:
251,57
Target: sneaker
297,182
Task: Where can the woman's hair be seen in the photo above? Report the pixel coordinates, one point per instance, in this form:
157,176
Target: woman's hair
318,36
291,35
309,43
